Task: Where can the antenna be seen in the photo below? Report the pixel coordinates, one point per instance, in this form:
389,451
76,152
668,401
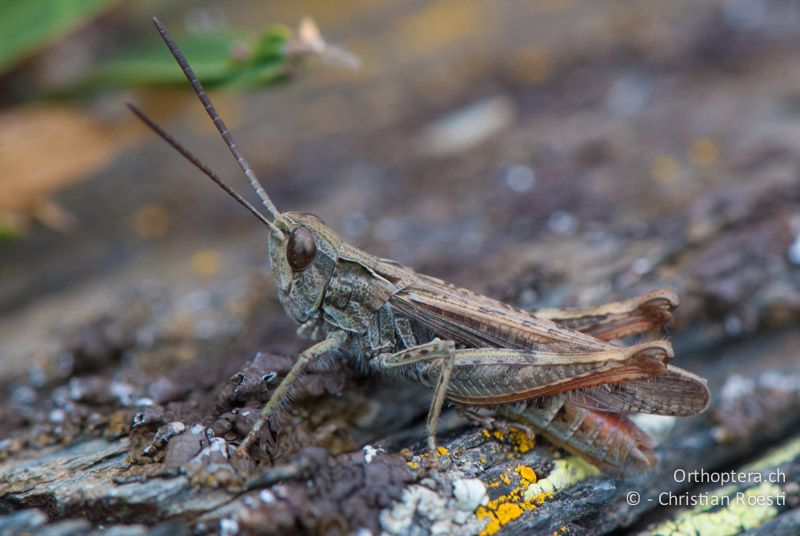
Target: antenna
218,122
147,120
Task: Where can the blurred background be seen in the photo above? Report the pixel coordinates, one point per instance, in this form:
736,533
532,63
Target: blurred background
544,151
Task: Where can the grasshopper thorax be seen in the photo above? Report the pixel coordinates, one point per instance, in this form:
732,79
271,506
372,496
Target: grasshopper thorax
303,258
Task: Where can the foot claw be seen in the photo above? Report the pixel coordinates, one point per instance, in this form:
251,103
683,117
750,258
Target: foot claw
240,453
433,463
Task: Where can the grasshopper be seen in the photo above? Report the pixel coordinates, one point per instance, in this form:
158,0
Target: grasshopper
559,370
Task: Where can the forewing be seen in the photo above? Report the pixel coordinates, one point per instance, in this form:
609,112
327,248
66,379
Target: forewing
477,321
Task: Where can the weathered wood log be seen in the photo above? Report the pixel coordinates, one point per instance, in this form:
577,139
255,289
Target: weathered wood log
129,418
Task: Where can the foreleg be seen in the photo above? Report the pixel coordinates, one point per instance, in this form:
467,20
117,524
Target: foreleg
306,357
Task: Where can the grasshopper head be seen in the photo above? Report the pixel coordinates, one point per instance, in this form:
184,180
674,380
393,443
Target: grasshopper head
302,249
303,258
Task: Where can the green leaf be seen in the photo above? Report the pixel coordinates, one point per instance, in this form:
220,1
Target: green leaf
8,231
27,25
258,60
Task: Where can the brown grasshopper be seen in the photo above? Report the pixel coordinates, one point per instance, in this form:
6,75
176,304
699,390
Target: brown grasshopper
555,369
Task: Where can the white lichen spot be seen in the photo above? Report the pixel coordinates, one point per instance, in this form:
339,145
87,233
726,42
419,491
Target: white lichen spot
370,452
744,15
562,223
520,178
566,473
122,392
423,510
443,527
467,127
417,500
794,251
627,95
228,527
175,427
280,491
469,493
218,445
656,426
776,381
737,387
732,325
75,389
641,266
429,504
266,496
196,300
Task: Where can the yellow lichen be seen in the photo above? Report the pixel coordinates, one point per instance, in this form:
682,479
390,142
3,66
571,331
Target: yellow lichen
532,64
665,169
521,441
704,152
526,474
529,492
777,456
507,512
566,473
151,221
516,437
740,511
493,526
206,262
442,451
508,507
731,510
413,465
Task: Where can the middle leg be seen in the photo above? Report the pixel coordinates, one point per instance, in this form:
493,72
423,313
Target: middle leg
436,350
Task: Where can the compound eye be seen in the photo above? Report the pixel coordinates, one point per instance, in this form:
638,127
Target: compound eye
301,249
